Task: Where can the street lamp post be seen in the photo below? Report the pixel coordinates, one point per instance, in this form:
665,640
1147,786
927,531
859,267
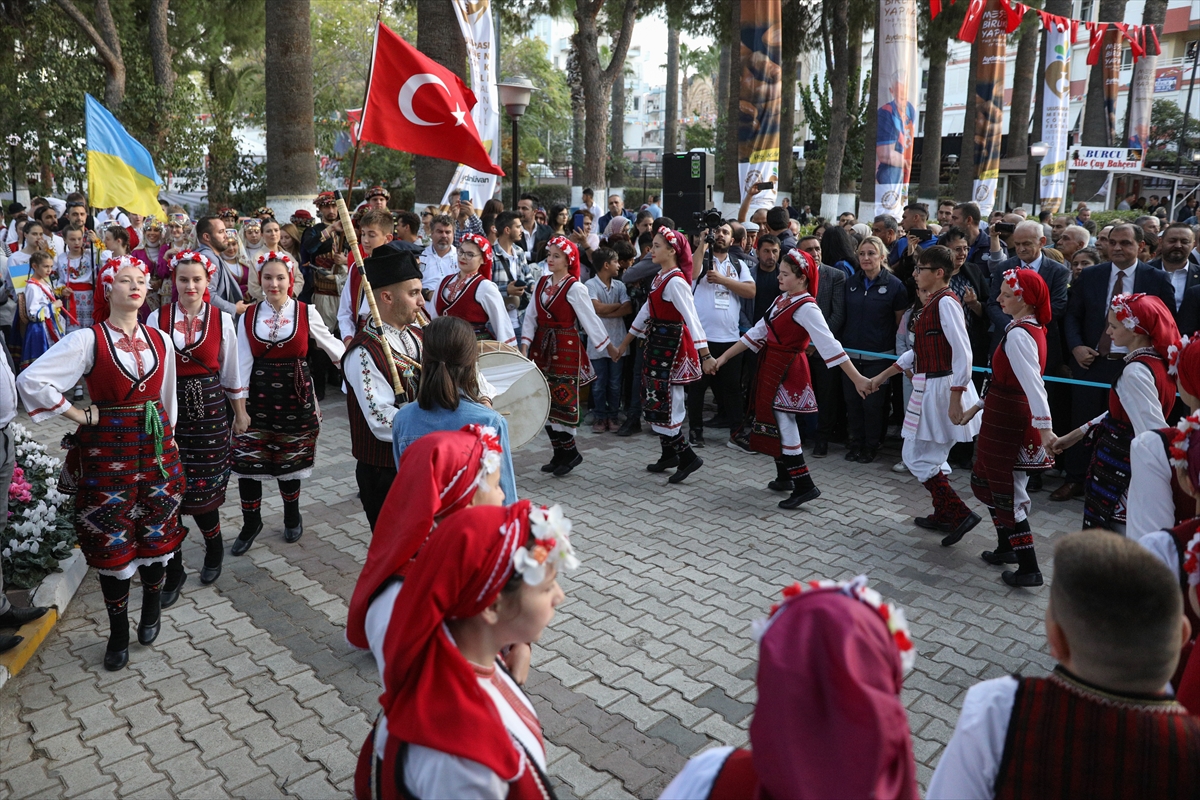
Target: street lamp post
1039,150
13,141
514,96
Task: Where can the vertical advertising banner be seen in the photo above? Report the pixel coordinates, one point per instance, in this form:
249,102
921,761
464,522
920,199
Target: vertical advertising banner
1056,117
1141,95
897,116
989,105
760,104
1110,62
475,20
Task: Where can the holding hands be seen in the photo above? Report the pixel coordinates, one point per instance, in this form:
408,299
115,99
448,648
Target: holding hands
1060,443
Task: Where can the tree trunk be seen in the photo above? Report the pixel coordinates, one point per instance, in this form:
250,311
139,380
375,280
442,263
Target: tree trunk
789,54
931,151
439,38
722,125
1024,76
1059,8
578,118
104,38
870,132
288,79
839,121
671,97
164,72
1095,117
966,149
733,45
618,132
597,82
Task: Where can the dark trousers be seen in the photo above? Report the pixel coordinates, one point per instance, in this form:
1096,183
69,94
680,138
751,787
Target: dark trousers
1087,403
828,389
865,420
633,409
726,386
373,486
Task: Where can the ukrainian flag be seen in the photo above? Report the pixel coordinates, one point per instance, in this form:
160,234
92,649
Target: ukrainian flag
120,172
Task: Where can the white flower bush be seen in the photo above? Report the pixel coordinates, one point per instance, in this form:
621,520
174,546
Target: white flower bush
39,532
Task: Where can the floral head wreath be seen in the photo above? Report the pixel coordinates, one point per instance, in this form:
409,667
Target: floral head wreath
1181,439
264,211
570,251
108,272
551,545
276,255
193,257
489,462
1191,560
151,223
325,199
1121,307
377,191
892,616
228,213
485,247
1173,354
1014,282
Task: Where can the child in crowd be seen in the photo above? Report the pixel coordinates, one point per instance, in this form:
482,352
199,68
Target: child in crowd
352,310
1100,725
76,274
47,323
611,300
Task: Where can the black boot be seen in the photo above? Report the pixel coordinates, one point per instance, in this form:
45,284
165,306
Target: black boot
151,621
116,603
1027,573
214,548
668,459
570,456
689,462
176,578
293,523
1003,554
251,494
783,481
556,443
803,488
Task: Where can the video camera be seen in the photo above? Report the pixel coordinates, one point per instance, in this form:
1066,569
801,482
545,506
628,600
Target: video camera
710,219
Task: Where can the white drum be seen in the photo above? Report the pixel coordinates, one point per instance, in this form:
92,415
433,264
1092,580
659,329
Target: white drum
523,396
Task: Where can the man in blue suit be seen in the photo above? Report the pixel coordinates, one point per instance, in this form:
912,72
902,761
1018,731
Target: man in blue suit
1093,355
1027,242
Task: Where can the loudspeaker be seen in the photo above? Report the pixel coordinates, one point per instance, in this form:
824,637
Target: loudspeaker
687,187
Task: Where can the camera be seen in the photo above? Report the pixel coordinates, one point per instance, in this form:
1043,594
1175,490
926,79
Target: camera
710,219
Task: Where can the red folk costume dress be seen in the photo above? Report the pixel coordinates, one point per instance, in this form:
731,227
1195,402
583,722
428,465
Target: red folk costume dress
672,330
476,299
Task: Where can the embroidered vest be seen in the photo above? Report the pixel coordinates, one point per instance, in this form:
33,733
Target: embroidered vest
465,306
365,446
1067,739
1162,381
660,307
1185,504
934,355
295,345
783,330
1002,371
109,384
558,313
203,356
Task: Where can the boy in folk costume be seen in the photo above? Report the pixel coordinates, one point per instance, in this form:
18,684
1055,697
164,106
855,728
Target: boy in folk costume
372,401
1139,401
936,418
550,336
1016,427
783,388
1100,725
675,347
353,311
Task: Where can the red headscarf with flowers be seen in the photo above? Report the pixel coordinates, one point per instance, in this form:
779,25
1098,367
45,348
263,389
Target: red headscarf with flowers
1147,315
438,474
108,274
806,266
280,257
570,251
1030,288
1183,361
485,269
683,251
186,257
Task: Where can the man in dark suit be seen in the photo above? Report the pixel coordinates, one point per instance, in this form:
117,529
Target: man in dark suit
533,232
1093,355
1027,241
831,299
1189,312
1174,250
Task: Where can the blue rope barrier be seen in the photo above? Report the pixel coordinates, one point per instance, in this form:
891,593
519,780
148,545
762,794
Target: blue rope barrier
1046,378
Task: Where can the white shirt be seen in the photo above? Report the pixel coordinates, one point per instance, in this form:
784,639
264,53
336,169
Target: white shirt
1035,265
718,308
487,294
347,322
954,328
279,327
373,387
119,218
809,317
971,761
1022,354
72,269
678,292
227,356
1139,397
42,383
1151,504
1126,288
585,314
696,778
435,267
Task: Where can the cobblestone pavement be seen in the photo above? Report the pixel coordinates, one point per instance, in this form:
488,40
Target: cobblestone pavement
252,691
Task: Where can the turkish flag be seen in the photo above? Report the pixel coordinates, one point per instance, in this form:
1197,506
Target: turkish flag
416,105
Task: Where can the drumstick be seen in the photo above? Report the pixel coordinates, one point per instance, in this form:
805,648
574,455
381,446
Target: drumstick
352,240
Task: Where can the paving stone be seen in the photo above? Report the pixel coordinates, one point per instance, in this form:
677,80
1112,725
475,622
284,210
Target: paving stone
238,769
134,773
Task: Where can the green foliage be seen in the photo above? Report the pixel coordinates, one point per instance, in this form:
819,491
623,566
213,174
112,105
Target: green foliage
545,129
39,532
818,110
1166,133
1102,218
700,134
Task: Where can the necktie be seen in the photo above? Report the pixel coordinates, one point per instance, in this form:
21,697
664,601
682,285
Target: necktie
1105,344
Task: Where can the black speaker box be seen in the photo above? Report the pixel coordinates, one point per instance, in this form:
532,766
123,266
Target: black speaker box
687,187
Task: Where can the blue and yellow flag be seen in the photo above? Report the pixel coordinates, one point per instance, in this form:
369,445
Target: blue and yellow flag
120,172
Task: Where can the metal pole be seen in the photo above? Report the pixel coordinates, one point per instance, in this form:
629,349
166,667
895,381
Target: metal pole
516,163
1183,137
14,171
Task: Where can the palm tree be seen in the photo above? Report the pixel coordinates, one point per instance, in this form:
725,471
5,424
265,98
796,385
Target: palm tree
1095,115
1024,76
440,38
671,99
288,79
934,36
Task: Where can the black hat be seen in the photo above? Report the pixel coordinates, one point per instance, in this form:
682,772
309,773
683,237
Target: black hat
389,264
15,208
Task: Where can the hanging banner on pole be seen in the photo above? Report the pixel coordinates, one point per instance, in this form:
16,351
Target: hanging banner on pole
897,118
1056,117
760,95
475,20
1110,62
989,104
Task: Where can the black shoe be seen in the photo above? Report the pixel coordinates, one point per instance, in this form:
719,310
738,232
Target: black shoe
292,535
553,465
739,443
852,454
566,466
820,449
9,642
780,485
797,500
210,574
246,538
716,422
663,464
696,437
169,598
996,558
630,426
686,469
1026,580
117,659
16,617
960,531
928,523
146,635
866,456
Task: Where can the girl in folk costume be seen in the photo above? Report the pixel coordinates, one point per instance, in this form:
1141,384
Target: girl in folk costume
675,347
472,295
782,386
124,460
153,251
278,437
206,365
829,721
550,336
1014,401
77,276
47,320
458,725
1139,401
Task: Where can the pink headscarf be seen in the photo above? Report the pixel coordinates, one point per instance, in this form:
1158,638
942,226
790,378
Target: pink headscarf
829,720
